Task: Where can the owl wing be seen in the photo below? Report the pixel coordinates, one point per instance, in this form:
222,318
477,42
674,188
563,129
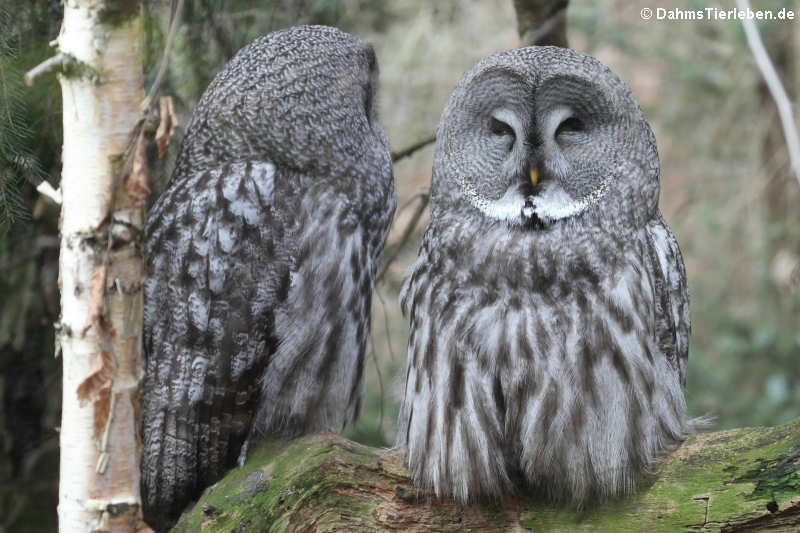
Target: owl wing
671,292
218,265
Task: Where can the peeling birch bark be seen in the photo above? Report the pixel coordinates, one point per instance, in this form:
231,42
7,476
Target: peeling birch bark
100,268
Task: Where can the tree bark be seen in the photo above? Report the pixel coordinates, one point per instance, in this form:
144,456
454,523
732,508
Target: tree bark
738,480
101,266
542,22
781,193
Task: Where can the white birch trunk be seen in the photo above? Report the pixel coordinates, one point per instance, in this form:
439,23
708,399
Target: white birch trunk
100,269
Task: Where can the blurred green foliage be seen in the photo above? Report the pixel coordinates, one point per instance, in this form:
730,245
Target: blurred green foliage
30,139
744,369
726,191
17,160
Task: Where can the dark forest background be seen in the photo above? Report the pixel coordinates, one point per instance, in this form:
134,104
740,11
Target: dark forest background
727,190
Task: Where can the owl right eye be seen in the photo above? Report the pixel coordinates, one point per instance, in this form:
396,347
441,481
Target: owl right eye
500,128
570,125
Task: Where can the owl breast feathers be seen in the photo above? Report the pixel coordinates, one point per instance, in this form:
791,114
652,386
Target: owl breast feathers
549,304
261,260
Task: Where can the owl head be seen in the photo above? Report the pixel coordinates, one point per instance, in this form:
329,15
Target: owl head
305,97
540,137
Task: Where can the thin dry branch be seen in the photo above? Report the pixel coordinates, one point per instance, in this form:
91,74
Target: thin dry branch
147,105
47,190
406,152
380,379
386,325
162,66
775,87
57,63
407,232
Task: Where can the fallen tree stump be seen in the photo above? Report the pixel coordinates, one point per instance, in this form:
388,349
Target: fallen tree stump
738,480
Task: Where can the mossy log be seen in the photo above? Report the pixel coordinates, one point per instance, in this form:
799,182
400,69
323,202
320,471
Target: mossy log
738,480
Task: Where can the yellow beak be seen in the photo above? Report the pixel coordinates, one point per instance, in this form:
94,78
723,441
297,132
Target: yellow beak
534,176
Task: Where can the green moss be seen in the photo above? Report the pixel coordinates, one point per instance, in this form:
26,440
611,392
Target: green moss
73,68
697,487
277,482
324,483
775,479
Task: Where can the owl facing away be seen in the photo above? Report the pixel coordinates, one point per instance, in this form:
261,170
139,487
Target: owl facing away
549,306
262,253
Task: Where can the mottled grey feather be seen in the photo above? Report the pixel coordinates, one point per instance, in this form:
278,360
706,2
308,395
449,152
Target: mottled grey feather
549,323
672,294
261,260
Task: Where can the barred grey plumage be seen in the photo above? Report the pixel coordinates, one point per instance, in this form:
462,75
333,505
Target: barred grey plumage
261,260
549,320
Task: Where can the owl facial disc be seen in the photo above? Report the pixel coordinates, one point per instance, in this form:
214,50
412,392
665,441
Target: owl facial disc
535,202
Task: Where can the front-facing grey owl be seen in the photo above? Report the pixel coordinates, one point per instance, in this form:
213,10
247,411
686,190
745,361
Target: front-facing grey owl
261,260
548,306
